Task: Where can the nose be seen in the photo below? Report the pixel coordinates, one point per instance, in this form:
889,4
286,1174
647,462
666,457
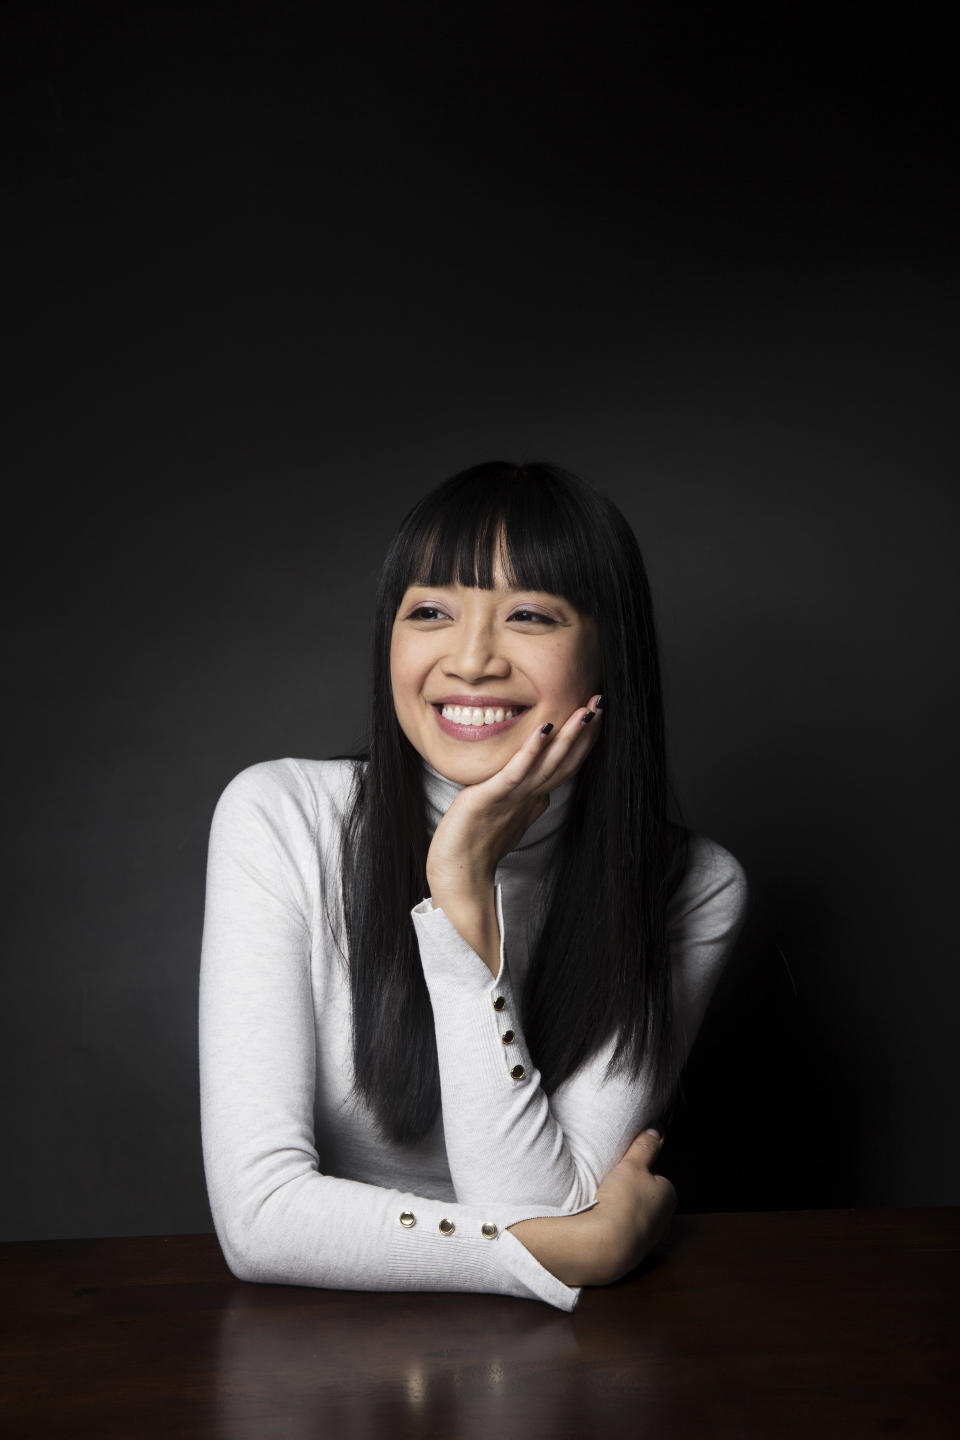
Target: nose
474,654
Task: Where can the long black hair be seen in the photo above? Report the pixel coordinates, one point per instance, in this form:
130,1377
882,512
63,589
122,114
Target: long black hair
600,968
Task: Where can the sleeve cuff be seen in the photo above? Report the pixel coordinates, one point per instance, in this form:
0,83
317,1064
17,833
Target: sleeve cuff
444,952
469,1247
526,1268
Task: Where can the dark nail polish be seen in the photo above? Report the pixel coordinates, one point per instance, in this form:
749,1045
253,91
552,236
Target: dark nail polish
600,703
588,717
547,728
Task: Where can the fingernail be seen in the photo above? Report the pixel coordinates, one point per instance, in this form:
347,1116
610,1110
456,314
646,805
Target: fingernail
655,1133
600,702
588,717
547,728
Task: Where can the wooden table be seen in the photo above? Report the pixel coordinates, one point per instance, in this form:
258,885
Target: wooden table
809,1323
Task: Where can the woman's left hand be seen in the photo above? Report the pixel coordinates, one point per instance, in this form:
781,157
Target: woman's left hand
632,1214
486,821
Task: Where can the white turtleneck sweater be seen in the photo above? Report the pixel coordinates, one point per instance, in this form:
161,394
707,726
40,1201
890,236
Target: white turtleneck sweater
303,1189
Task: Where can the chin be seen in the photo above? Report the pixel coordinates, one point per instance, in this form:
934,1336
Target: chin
469,769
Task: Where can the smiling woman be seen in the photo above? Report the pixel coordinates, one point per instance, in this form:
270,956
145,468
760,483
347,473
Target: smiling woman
542,656
470,665
448,985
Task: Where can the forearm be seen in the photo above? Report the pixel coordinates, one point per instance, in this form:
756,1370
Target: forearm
504,1136
500,1135
319,1230
473,914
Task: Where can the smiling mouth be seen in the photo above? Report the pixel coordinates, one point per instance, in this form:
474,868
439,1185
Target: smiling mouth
477,722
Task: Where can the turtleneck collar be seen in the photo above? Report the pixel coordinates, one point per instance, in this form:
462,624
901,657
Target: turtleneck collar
441,793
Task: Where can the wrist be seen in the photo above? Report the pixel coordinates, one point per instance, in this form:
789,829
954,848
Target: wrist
464,886
566,1245
613,1239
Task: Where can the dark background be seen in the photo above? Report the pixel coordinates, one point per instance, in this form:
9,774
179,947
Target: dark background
273,271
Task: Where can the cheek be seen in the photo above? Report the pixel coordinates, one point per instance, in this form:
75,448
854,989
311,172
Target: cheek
396,673
405,674
578,673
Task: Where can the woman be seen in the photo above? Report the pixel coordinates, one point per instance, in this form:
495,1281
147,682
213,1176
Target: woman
448,986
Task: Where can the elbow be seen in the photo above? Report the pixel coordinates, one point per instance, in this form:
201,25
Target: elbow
241,1251
257,1227
262,1241
238,1266
251,1245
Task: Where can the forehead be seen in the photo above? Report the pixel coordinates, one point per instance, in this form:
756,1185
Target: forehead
487,560
501,582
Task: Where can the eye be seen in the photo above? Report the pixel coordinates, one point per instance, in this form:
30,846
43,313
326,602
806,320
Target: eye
428,612
533,617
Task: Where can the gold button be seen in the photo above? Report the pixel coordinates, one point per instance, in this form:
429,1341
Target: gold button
508,1037
498,1002
408,1219
447,1227
517,1073
489,1232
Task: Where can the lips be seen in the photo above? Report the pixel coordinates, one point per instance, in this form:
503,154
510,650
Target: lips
476,717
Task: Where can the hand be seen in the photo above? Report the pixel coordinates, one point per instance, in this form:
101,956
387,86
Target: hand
632,1214
633,1210
486,821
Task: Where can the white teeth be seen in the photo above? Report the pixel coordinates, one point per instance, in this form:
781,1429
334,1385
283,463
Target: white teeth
471,715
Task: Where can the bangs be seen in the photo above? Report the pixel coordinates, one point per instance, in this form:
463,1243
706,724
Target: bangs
498,517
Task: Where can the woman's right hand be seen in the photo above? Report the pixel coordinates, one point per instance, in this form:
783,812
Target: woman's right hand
489,819
631,1215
